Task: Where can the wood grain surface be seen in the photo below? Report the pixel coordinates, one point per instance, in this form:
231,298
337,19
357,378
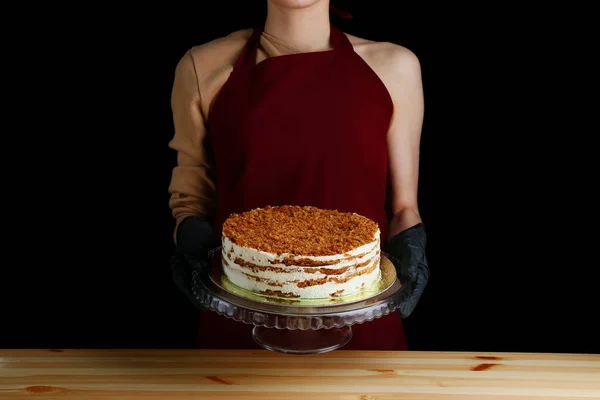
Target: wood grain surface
250,375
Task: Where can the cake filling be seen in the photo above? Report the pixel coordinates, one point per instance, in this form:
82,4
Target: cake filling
301,252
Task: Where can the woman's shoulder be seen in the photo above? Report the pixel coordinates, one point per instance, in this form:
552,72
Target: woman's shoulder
210,63
384,53
395,64
207,66
221,49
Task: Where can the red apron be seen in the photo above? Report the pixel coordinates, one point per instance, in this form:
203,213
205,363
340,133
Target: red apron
302,129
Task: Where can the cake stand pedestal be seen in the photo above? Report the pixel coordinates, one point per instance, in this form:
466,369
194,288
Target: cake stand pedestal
311,341
288,326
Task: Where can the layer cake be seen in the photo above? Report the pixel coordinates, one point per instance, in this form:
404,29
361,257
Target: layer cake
300,252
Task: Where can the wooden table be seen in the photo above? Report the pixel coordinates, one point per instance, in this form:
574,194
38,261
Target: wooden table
248,375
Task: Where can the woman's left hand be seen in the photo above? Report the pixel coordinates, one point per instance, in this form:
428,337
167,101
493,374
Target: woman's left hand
406,251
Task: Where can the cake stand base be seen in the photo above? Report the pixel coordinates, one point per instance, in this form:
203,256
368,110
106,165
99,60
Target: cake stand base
311,341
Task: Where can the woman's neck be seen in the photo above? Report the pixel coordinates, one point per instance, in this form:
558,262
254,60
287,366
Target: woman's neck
306,29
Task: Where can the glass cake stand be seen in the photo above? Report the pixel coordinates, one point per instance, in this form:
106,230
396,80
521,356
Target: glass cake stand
298,327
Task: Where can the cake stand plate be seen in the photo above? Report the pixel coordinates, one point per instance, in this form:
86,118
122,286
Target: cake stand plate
298,327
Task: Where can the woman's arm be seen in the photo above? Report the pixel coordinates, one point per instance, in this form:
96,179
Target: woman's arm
404,137
407,239
192,186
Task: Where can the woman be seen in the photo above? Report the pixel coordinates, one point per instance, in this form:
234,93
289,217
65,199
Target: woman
297,112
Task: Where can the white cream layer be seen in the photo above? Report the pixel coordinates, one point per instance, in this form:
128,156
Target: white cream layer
282,277
324,290
282,273
265,259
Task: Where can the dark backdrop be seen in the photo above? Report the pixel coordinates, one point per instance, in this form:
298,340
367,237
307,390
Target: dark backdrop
90,265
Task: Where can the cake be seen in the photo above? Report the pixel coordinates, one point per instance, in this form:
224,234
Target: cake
300,252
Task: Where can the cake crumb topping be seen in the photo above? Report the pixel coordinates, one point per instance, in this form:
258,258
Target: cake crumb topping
300,231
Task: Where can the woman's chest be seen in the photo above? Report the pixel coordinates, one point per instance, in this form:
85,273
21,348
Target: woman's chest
291,109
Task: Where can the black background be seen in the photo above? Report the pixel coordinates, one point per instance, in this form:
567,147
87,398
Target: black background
88,266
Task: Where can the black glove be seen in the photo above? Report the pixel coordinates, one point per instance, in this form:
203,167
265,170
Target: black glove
195,239
406,251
